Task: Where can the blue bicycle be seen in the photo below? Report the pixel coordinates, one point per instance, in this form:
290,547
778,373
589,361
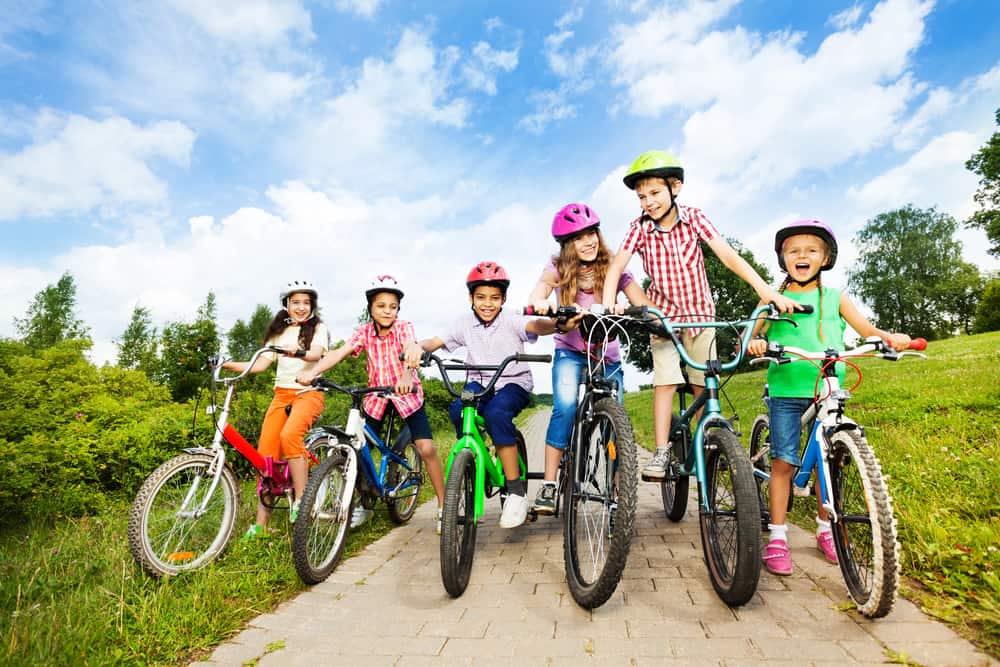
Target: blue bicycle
391,473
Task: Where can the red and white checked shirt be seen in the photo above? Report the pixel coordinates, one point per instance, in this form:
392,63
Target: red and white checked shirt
385,368
675,264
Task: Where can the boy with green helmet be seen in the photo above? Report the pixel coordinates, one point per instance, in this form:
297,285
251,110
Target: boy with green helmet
668,237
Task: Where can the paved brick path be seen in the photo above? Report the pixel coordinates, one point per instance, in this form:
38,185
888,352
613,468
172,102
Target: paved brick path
387,606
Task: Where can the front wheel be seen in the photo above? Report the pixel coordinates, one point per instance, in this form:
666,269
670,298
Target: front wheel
865,532
730,529
178,521
401,507
600,510
320,533
674,487
458,524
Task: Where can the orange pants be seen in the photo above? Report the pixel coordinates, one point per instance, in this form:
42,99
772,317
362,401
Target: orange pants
281,435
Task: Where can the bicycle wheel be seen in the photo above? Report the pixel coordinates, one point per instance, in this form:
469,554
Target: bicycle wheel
674,487
760,458
401,508
168,531
730,530
320,533
600,510
458,526
320,446
865,534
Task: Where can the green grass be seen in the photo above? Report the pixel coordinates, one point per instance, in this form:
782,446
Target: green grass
70,593
935,426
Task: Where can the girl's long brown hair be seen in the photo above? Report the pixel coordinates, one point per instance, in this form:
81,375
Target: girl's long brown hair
568,266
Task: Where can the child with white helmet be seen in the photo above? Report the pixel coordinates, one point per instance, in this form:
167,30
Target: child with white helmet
805,249
298,330
577,276
383,339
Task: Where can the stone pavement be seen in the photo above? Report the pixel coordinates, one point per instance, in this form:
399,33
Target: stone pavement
386,606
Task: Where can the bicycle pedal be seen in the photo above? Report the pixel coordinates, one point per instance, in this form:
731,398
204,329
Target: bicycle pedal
532,516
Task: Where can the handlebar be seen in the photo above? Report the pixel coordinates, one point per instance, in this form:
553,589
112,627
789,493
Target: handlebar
776,352
444,366
217,370
323,384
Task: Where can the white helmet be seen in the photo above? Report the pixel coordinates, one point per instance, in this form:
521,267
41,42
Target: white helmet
383,283
296,286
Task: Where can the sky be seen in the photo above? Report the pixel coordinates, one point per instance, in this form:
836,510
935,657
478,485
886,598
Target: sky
161,150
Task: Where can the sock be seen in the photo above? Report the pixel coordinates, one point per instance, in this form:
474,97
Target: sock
822,526
778,531
517,487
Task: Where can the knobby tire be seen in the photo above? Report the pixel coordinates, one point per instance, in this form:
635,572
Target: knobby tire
458,526
320,532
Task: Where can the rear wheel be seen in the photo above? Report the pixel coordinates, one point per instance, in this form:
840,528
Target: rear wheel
865,534
674,487
458,525
401,507
760,459
600,509
177,521
320,533
730,530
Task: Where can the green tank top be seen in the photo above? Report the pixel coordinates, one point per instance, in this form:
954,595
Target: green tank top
798,380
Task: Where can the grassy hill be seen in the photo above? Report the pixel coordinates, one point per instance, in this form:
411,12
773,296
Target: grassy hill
935,426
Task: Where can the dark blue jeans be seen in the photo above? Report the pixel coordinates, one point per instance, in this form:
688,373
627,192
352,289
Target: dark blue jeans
498,408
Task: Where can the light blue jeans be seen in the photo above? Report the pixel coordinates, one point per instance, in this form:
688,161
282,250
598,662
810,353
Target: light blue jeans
566,370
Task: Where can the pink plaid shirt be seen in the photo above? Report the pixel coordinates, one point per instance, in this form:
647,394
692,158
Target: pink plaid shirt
675,264
385,367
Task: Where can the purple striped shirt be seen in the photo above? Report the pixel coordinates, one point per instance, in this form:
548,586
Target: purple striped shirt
485,346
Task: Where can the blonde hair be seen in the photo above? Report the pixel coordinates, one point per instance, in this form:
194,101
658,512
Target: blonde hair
568,267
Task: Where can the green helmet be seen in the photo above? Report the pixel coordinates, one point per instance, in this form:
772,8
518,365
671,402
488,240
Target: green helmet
654,163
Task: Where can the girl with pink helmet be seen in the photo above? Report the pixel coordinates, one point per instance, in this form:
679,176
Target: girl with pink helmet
576,275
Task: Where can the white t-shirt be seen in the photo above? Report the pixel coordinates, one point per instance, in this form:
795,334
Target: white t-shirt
289,367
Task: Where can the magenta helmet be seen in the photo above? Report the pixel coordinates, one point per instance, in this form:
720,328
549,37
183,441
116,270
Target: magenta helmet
814,227
573,219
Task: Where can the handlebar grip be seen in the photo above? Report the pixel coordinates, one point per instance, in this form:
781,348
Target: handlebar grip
918,344
804,308
636,311
528,310
544,358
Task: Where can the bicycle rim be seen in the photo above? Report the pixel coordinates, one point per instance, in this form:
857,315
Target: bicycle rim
168,534
458,526
760,458
674,487
401,509
865,534
320,533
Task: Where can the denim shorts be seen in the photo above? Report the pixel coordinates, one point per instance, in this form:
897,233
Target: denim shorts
420,426
786,427
566,369
498,408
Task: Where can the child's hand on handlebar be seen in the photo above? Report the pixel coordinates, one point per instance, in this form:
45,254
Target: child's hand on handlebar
757,347
306,378
413,355
782,303
898,341
405,384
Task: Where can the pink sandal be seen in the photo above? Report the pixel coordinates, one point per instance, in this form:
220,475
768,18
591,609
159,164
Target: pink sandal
777,558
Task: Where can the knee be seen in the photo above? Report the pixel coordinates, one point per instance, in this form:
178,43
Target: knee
425,448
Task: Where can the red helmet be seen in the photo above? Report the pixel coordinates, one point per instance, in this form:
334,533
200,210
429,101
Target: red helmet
487,273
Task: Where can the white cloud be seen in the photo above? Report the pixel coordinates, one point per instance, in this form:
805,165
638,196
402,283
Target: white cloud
481,69
255,22
75,164
574,15
845,19
550,106
365,8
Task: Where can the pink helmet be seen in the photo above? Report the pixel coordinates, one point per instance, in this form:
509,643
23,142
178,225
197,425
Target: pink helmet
814,227
573,219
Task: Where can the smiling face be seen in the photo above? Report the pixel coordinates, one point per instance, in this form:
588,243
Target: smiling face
654,196
487,301
804,256
586,244
299,306
384,309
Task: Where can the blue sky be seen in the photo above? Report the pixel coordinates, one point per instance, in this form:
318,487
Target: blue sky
161,150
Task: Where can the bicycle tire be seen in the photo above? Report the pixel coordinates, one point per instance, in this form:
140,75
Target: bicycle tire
458,525
320,533
600,511
760,458
401,509
165,544
674,487
730,530
865,533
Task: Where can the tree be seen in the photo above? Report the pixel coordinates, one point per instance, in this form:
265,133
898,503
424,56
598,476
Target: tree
246,337
50,317
986,164
908,266
961,296
137,346
734,299
988,312
185,349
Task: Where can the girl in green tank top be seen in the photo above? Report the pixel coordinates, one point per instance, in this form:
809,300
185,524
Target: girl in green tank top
805,249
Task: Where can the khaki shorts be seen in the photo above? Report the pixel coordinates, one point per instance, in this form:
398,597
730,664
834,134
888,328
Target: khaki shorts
667,362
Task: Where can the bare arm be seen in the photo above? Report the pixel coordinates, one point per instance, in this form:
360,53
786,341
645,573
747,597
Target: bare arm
333,358
543,288
636,296
860,323
615,270
742,268
263,361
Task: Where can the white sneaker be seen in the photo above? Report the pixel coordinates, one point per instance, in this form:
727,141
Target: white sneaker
515,511
359,516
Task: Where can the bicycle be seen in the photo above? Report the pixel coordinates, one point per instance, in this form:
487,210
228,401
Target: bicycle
320,533
472,474
852,487
597,471
727,495
183,515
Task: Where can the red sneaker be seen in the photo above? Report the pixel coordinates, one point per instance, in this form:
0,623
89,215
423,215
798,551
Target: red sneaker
777,559
824,542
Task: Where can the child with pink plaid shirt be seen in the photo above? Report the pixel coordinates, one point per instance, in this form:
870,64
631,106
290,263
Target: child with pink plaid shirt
668,236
